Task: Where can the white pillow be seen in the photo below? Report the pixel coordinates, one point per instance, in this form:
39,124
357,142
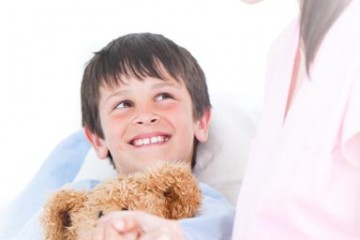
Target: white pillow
221,160
95,168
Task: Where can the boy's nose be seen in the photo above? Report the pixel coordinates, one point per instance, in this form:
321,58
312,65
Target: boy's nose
146,119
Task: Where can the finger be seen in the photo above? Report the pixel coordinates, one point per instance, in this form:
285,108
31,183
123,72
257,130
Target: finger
129,220
110,233
120,221
134,235
139,221
167,230
163,233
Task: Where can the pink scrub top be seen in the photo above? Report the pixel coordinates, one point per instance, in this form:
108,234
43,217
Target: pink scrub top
303,175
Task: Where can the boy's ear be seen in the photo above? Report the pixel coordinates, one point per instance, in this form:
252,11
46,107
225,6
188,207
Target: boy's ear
97,143
202,126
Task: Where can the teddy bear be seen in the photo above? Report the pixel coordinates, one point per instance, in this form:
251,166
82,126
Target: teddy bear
167,190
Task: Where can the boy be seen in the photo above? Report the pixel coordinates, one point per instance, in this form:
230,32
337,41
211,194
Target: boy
145,99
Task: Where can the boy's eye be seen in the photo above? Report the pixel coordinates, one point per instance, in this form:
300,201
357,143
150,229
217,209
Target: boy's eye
163,96
124,104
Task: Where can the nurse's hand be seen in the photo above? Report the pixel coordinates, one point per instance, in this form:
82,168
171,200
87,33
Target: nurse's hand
139,225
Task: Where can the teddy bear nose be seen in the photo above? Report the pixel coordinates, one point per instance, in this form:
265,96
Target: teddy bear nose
100,214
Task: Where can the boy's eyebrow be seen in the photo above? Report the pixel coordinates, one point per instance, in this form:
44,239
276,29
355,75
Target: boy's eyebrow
117,93
154,86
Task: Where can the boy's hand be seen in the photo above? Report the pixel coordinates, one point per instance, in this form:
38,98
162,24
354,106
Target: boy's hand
140,225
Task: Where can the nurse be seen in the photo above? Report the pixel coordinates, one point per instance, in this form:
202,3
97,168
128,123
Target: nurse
303,174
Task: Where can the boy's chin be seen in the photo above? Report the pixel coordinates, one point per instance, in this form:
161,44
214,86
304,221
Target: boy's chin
139,166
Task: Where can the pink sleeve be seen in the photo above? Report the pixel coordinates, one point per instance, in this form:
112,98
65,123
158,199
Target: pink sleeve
351,127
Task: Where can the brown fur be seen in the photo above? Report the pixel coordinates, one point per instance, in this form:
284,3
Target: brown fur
167,190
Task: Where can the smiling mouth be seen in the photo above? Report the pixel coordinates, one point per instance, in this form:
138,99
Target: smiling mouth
149,141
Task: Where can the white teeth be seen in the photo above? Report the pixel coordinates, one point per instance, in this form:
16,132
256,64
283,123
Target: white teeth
155,139
146,141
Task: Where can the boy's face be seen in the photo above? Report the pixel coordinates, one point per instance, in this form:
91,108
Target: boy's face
147,121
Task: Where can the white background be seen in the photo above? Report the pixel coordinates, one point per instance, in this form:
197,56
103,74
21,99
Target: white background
45,44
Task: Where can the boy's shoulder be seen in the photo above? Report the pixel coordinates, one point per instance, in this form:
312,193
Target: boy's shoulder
84,184
212,195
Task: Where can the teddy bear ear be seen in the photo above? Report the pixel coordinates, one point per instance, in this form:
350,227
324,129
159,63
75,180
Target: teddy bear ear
179,188
56,219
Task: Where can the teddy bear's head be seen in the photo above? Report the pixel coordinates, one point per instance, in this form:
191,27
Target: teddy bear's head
167,190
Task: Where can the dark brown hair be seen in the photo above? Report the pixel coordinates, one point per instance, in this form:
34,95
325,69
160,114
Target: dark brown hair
317,16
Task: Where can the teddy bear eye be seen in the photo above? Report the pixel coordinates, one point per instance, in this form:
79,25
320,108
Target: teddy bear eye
100,214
